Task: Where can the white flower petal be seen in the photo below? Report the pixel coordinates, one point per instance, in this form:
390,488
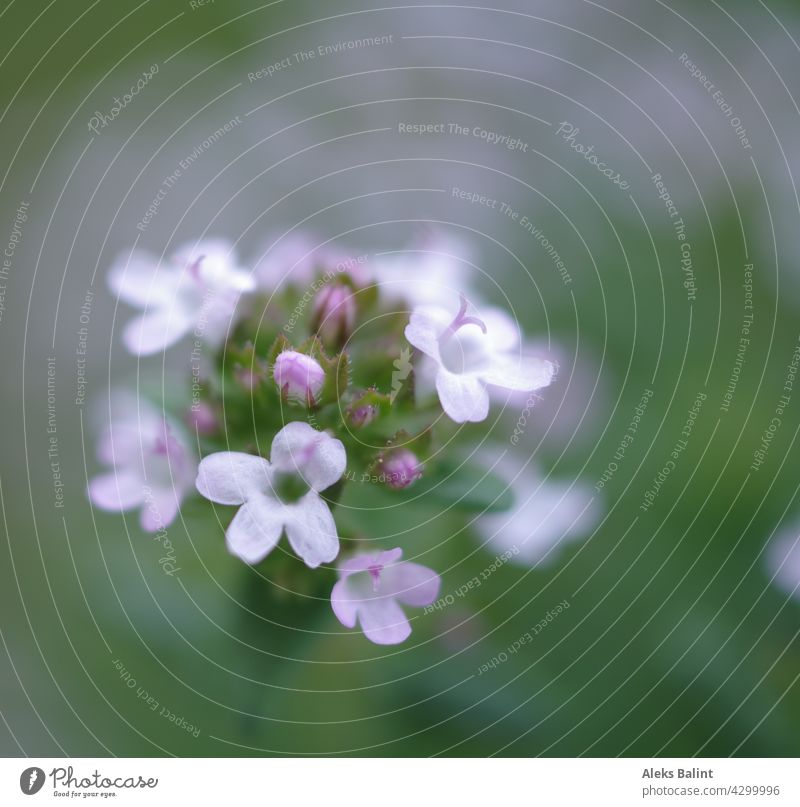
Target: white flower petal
463,397
292,260
502,330
521,373
425,326
256,528
782,559
159,509
139,279
121,443
547,514
219,267
345,604
241,280
217,253
156,330
116,491
383,621
232,477
314,455
411,583
311,530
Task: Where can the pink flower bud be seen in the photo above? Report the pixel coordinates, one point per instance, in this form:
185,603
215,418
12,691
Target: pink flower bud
401,468
246,378
361,416
299,377
334,315
202,418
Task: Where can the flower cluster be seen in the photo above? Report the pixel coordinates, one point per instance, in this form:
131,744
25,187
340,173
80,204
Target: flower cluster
283,426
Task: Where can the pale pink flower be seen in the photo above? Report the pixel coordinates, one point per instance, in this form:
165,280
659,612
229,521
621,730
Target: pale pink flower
472,354
371,589
279,494
151,465
431,274
297,259
547,514
196,292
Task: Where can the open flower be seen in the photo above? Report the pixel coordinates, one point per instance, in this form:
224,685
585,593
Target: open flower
472,353
198,290
151,464
297,258
371,588
429,273
547,514
279,494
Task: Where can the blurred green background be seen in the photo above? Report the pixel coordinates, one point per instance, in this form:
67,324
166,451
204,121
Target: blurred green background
676,643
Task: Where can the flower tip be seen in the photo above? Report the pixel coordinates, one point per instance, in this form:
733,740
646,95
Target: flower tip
299,377
400,469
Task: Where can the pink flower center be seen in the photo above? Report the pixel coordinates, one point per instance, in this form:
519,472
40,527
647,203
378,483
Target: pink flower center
375,573
165,445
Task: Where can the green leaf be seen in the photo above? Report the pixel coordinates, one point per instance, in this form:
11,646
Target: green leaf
467,487
337,377
371,397
280,344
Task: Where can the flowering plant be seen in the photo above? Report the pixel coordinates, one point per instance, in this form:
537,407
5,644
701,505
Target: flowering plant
311,374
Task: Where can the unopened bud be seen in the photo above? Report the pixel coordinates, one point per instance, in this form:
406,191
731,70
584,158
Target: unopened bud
201,417
334,315
401,468
361,416
299,377
246,378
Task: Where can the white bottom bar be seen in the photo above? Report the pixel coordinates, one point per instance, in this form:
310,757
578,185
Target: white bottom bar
401,782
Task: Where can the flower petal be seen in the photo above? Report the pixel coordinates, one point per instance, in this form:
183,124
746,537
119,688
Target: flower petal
426,324
156,330
314,455
116,491
292,260
520,373
311,530
547,515
411,583
241,280
383,621
159,509
502,330
256,528
231,477
360,563
344,604
219,265
433,275
463,397
139,279
130,425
